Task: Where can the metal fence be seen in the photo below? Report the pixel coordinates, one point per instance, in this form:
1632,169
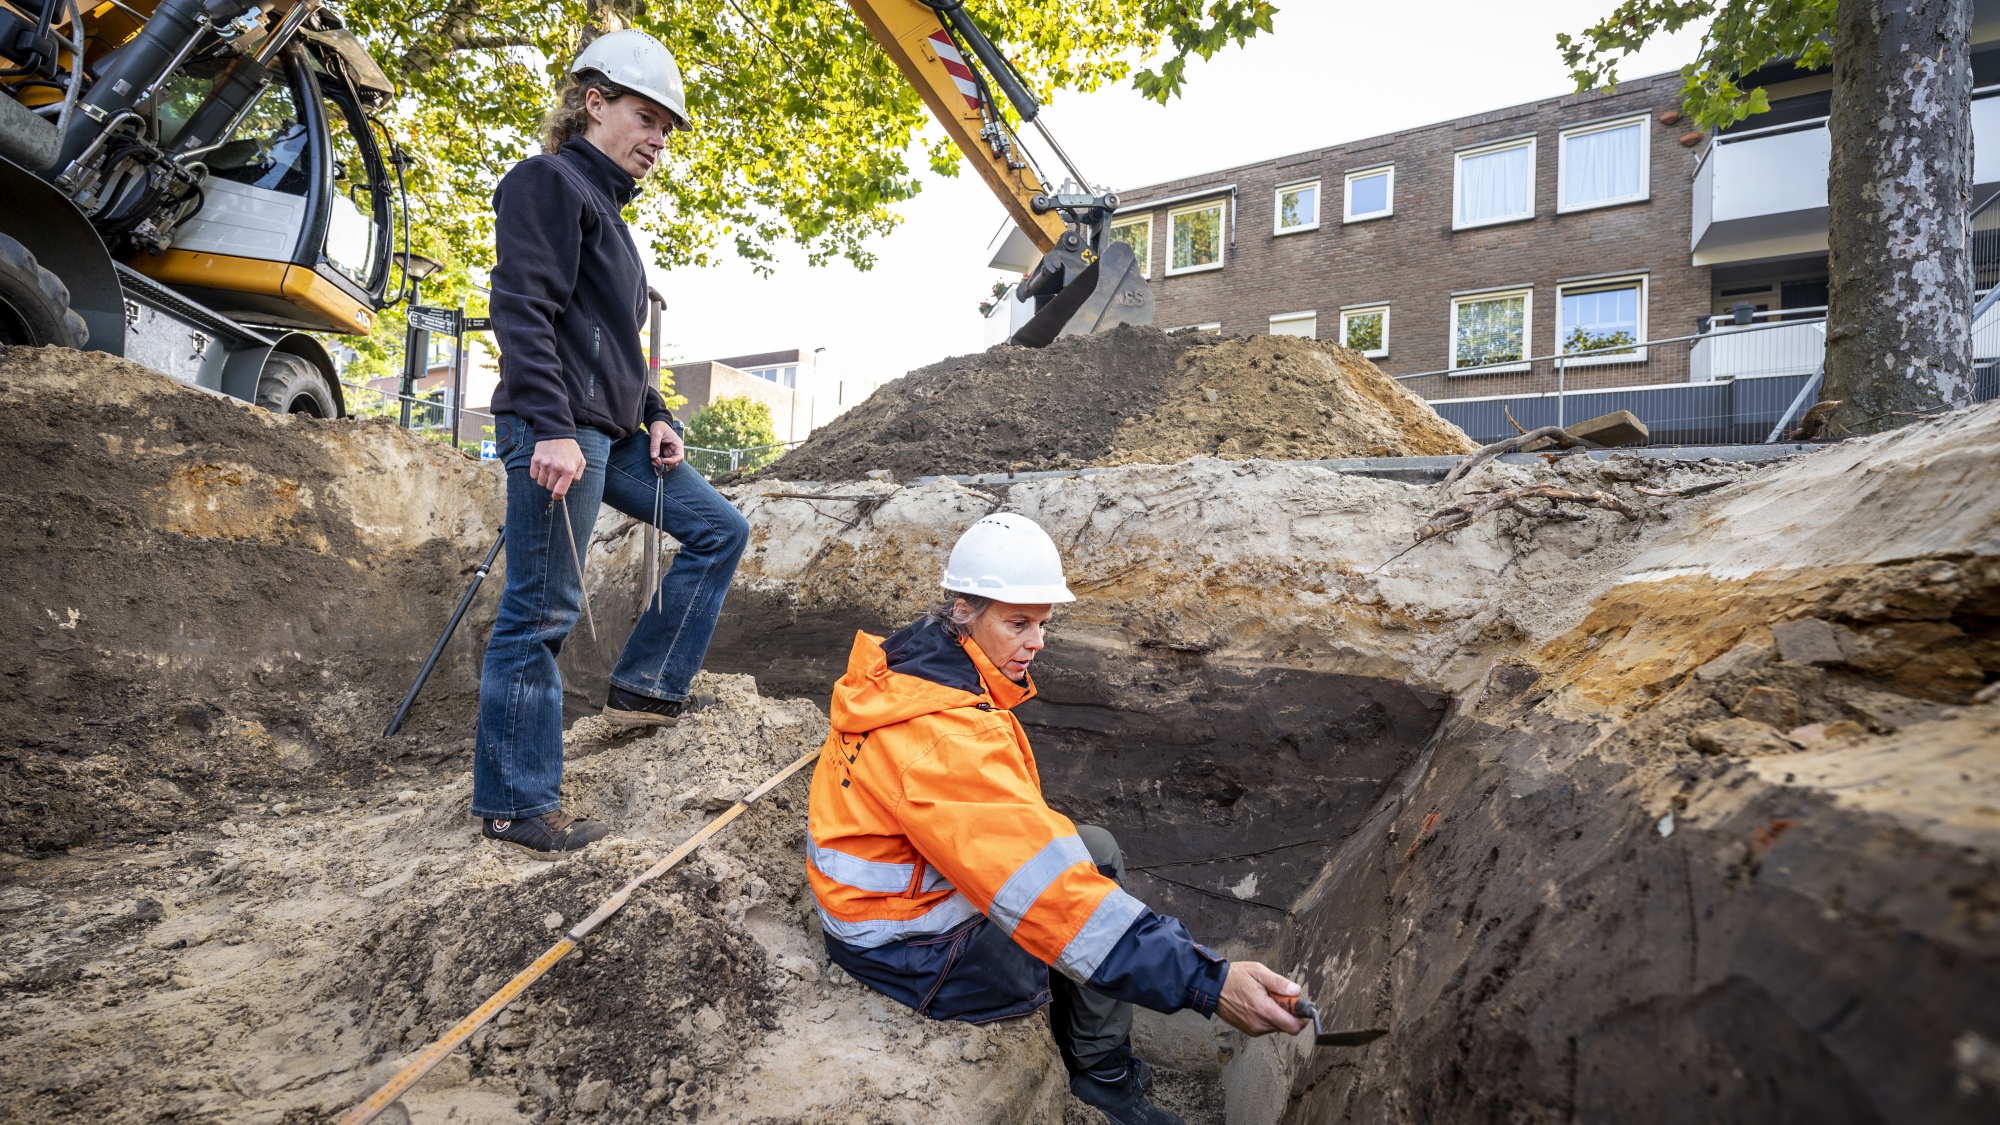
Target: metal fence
430,415
1985,246
715,462
1732,383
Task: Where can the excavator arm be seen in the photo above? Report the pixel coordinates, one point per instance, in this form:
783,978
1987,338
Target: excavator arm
1085,282
917,42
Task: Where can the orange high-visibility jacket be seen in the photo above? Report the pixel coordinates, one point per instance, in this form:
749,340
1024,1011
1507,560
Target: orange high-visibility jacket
927,811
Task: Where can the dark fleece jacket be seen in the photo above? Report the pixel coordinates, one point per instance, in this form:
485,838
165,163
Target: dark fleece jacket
569,297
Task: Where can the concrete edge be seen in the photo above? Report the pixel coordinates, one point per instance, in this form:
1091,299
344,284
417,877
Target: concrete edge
1409,470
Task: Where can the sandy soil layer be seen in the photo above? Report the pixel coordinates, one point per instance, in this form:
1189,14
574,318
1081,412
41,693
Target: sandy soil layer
1134,395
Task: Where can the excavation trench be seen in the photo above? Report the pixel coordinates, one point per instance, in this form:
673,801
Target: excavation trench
1227,785
1686,817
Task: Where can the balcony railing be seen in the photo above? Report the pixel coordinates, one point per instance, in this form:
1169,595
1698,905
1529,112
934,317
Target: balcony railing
1731,384
1762,192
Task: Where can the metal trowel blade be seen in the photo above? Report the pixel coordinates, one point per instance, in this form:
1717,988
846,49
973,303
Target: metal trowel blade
1348,1038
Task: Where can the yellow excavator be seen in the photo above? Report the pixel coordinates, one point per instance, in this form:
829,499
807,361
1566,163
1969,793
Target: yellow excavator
1085,282
195,185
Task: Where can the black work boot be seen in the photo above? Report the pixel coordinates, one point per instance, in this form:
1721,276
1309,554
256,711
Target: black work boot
628,710
1116,1087
549,835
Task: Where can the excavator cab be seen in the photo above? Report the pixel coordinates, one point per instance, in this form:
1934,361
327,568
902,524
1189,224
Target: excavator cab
195,185
296,223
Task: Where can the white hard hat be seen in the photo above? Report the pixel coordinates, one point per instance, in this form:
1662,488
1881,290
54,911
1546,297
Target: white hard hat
1009,558
637,62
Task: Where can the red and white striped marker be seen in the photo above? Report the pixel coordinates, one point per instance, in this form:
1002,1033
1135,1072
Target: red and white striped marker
947,53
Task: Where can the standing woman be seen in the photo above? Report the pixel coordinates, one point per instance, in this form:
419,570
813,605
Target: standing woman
579,422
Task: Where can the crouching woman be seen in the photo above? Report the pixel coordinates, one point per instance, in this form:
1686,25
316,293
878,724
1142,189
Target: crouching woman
946,882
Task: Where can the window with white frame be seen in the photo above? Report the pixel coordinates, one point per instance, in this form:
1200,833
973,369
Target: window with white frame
1371,194
1138,234
783,376
1603,163
1194,237
1298,207
1605,320
1494,184
1366,330
1213,328
1491,328
1296,324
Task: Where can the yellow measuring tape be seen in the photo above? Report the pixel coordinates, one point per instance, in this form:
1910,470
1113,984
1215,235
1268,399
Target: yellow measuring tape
432,1055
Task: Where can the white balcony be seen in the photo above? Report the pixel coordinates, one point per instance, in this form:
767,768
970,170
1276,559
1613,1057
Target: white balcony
1762,193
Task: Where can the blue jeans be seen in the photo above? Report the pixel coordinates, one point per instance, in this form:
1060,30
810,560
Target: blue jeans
517,762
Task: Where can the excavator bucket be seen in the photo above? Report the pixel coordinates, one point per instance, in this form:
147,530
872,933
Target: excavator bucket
1107,292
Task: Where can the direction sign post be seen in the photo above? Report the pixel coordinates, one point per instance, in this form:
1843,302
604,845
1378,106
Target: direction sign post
464,324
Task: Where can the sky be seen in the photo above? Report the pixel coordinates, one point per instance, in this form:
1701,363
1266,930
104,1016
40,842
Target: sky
1333,71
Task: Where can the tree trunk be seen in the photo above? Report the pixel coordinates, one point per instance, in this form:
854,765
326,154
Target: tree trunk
1898,330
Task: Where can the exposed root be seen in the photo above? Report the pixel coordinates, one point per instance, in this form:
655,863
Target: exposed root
1555,434
864,506
1691,490
1814,421
1453,517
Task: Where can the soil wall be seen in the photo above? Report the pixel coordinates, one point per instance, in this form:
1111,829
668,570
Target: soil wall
210,600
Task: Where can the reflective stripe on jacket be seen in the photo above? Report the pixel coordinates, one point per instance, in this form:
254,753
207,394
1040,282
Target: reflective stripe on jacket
927,812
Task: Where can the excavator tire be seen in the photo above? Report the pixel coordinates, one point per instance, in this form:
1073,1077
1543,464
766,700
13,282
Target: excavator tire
34,303
290,385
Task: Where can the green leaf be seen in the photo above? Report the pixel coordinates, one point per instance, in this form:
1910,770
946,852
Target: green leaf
1742,36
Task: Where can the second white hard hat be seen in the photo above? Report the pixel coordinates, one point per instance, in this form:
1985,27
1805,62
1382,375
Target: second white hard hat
1009,558
639,63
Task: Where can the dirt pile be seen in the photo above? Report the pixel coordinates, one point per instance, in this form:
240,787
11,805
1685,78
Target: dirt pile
1133,395
209,601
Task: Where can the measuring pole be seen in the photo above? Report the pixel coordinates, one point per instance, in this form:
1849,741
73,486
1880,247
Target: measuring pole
659,304
437,650
457,376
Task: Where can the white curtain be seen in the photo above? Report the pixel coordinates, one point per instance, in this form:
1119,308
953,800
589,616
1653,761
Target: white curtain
1493,185
1601,165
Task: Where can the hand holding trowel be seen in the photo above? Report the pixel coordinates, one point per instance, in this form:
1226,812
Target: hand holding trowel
1303,1008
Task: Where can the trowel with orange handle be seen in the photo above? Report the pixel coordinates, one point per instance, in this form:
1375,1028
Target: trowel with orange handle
1303,1008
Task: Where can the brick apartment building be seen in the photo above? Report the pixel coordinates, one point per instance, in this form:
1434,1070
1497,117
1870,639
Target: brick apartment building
1467,252
1366,241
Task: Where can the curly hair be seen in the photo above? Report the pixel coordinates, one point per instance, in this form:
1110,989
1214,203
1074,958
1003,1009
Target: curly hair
569,118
